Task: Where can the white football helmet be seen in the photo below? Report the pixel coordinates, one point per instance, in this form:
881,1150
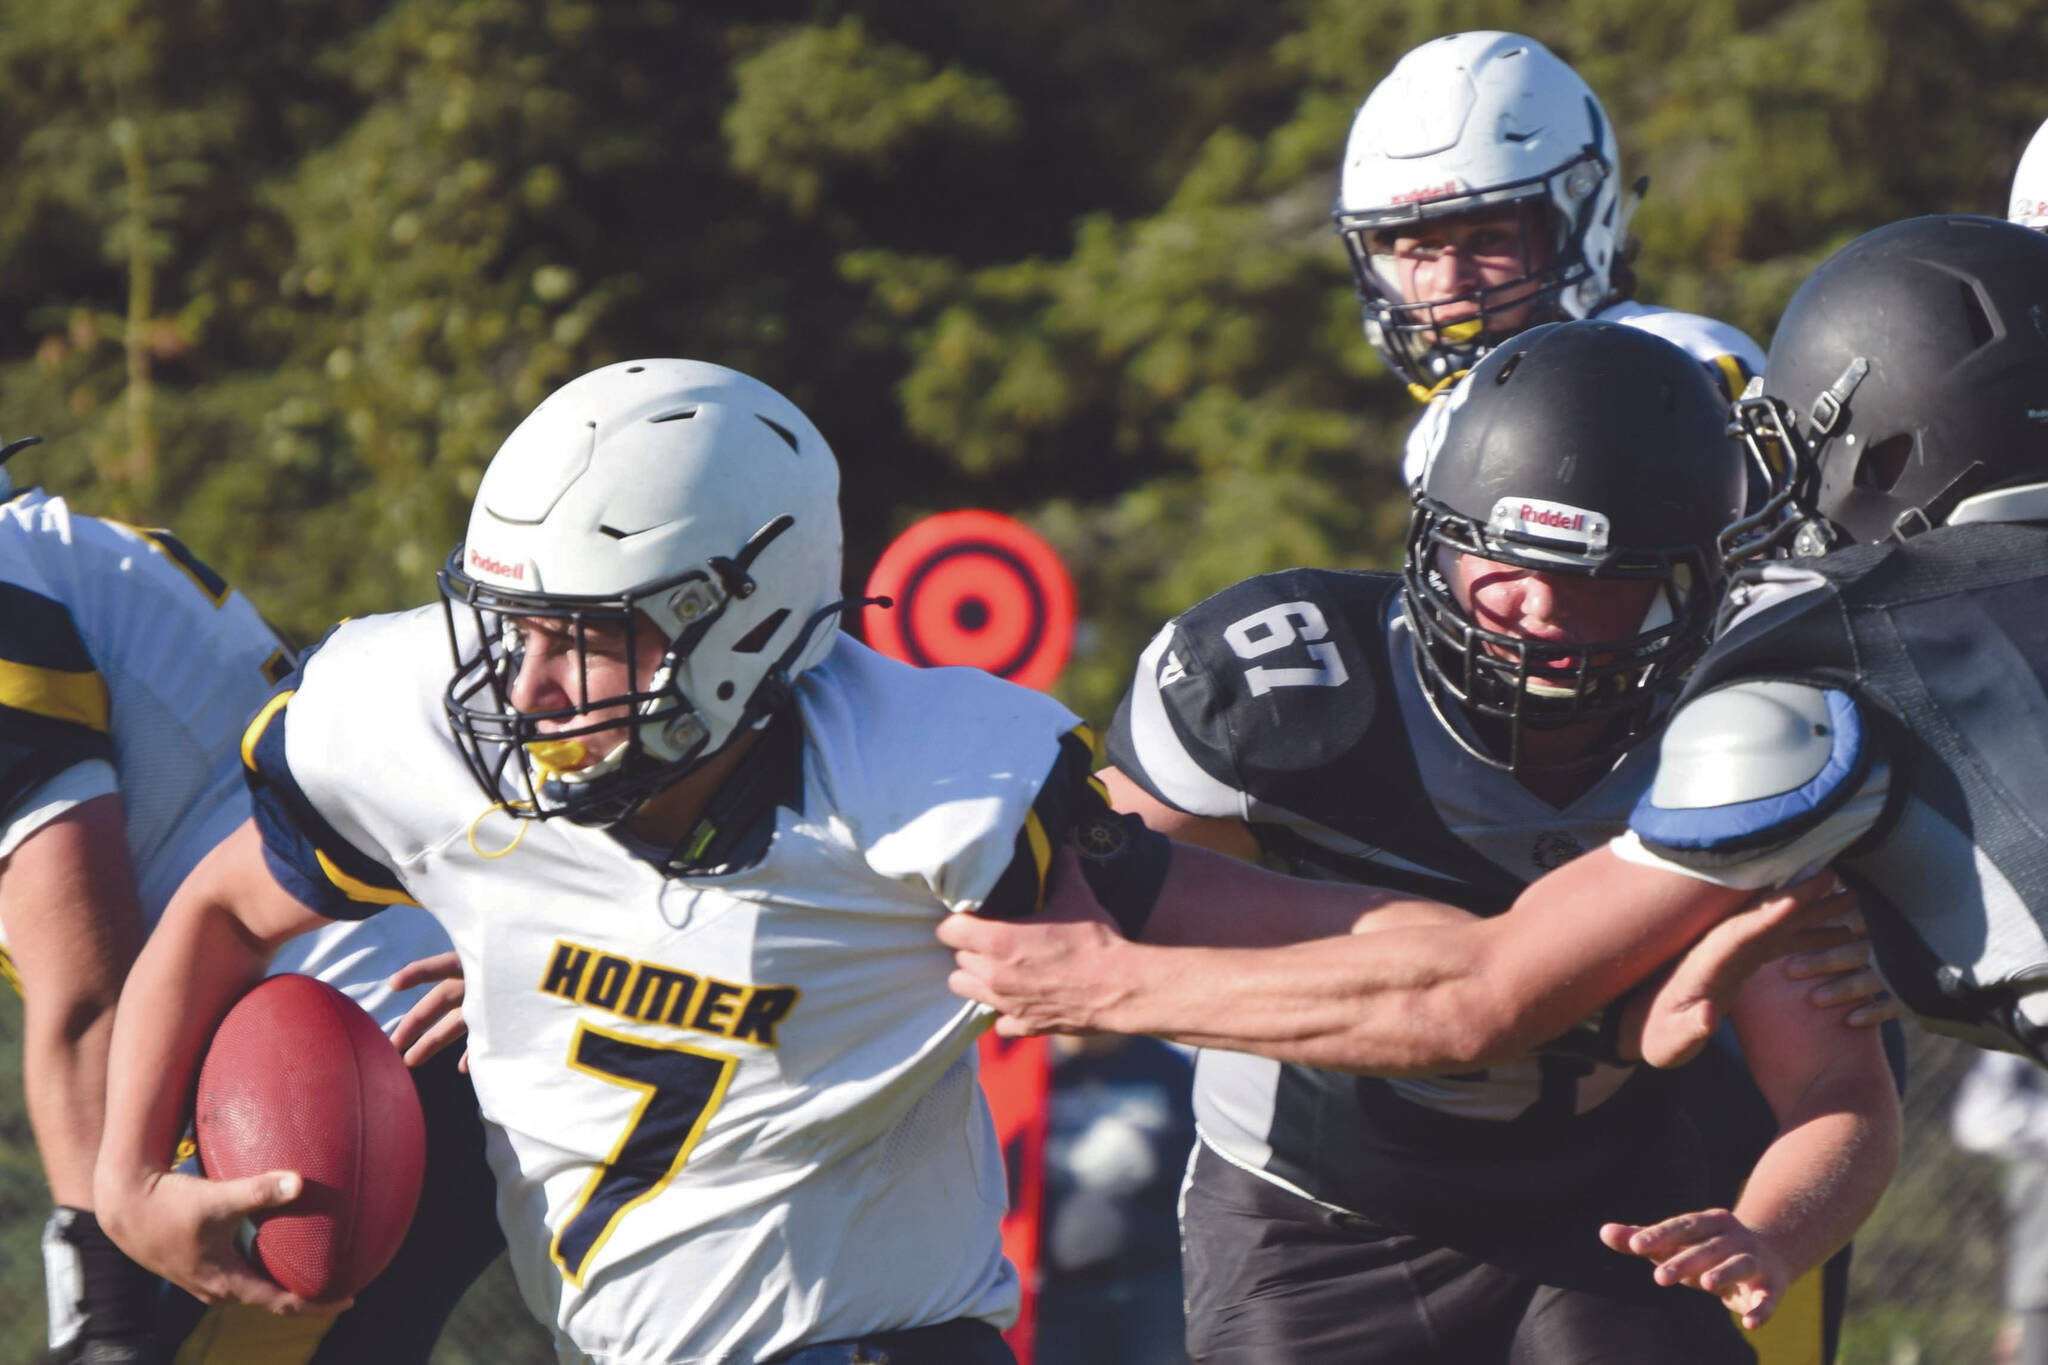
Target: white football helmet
685,491
1470,123
2029,204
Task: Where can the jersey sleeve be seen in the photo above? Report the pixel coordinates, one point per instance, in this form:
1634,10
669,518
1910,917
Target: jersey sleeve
968,785
1758,782
1124,862
326,872
1162,737
54,705
1244,700
76,785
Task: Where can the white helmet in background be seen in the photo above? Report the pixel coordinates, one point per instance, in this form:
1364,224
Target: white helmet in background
685,491
2029,203
1469,123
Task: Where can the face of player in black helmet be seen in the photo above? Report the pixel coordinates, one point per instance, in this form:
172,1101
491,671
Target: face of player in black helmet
1561,567
1907,388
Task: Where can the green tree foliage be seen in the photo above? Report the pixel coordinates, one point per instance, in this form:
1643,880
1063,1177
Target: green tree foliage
284,273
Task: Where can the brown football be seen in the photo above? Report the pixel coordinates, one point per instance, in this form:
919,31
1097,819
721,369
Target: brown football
299,1078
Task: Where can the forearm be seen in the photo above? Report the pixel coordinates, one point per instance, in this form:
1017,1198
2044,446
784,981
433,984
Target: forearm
195,966
1341,1003
1432,994
1823,1175
1214,901
67,899
64,1082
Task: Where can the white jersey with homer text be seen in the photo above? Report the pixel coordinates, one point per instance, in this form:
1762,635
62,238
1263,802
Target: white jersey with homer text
730,1114
127,665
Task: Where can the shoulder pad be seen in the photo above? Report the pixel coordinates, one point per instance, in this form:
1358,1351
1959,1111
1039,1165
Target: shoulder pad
1750,765
1707,339
1271,676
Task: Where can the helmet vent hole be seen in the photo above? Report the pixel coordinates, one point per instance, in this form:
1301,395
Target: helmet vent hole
1884,462
784,432
725,690
635,369
1507,370
1974,316
679,415
756,640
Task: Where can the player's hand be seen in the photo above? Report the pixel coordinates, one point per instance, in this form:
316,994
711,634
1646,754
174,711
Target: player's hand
435,1020
1052,973
1671,1018
1714,1251
185,1227
1846,979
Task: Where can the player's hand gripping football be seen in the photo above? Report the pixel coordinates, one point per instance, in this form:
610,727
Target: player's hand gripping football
186,1229
1052,973
1714,1251
435,1020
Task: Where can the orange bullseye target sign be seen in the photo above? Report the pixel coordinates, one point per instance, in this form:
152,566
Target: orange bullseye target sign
974,588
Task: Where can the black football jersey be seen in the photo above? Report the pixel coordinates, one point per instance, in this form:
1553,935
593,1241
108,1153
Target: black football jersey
1943,642
1291,701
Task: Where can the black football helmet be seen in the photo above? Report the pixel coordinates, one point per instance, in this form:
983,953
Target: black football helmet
1907,384
1583,448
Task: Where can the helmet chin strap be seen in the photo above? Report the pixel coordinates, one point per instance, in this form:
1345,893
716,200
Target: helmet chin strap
1935,511
775,686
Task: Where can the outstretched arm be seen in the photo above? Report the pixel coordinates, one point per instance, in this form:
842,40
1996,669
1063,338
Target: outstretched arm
213,943
1429,995
1836,1149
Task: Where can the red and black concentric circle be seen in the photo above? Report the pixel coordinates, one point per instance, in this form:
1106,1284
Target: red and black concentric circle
974,588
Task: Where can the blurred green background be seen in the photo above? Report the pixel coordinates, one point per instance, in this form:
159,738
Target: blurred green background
281,274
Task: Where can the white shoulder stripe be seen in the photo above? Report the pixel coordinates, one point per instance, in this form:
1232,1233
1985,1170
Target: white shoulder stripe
1167,765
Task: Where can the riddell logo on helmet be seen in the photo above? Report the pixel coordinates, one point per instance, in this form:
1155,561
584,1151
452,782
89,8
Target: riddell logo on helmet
496,568
1420,193
1557,521
1533,515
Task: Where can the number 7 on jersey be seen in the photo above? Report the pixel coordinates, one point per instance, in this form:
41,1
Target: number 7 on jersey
680,1086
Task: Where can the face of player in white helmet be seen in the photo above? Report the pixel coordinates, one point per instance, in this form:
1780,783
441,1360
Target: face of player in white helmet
1484,133
572,679
1472,271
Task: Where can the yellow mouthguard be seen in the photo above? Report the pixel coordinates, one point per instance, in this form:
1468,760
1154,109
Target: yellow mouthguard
556,756
1461,331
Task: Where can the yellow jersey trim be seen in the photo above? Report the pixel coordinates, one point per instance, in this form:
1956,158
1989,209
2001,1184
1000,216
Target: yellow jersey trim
358,890
77,698
254,733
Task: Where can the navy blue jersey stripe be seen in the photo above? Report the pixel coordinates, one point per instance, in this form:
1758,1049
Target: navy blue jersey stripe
327,874
39,632
35,748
